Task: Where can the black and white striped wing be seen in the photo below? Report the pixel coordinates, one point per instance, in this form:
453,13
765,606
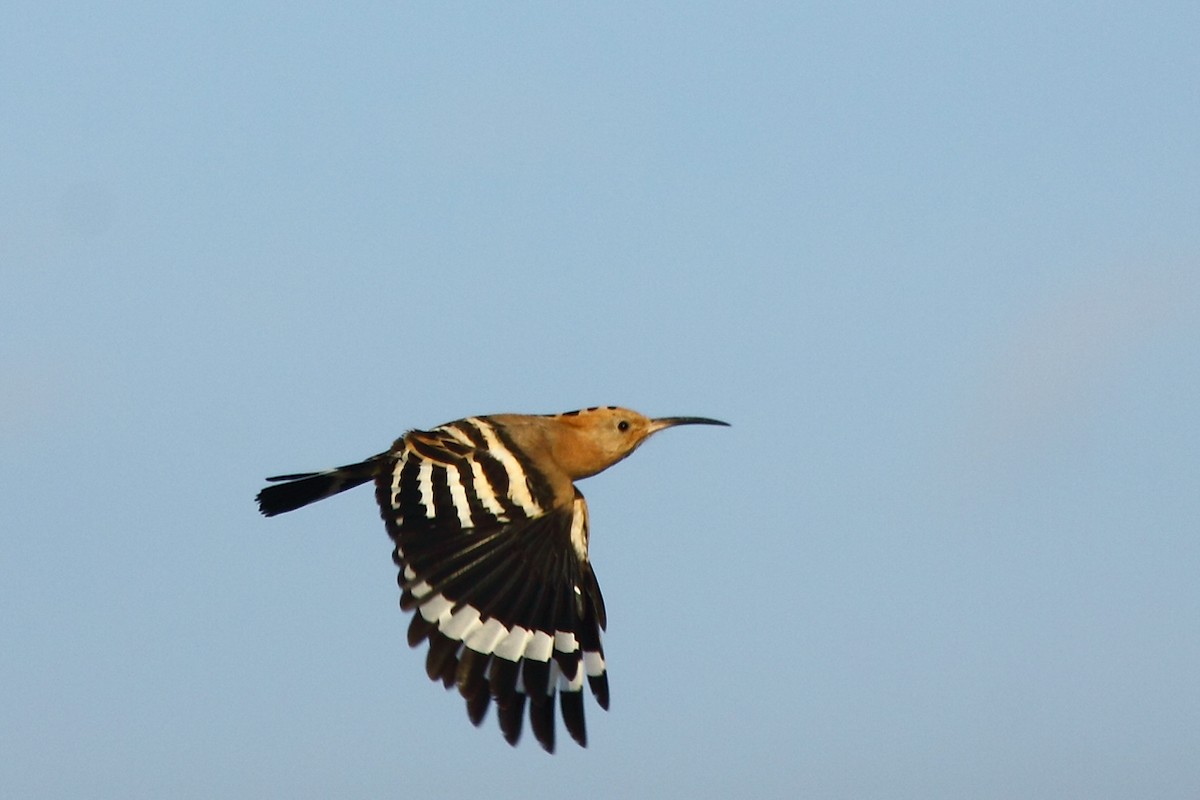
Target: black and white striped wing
497,576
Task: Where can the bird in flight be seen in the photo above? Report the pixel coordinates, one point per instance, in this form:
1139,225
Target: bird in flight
491,541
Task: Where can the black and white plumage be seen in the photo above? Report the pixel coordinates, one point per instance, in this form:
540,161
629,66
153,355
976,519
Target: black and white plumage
491,541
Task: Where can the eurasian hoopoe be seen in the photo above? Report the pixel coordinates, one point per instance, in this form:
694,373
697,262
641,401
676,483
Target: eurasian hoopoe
491,541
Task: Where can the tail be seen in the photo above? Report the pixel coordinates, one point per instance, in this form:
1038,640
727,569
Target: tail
309,487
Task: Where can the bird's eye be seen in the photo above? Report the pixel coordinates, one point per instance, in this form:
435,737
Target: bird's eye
623,425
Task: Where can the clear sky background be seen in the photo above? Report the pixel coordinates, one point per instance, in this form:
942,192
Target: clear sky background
938,264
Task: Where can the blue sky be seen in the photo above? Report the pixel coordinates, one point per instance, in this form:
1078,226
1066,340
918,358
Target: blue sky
939,266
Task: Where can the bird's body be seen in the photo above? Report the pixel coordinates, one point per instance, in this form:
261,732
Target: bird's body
491,540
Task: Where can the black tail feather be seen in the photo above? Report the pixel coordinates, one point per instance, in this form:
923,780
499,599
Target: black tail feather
302,488
298,476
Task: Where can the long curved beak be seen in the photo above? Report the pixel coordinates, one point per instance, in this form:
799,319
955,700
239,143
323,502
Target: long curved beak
670,422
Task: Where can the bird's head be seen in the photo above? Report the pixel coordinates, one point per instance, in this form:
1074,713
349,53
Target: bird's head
593,439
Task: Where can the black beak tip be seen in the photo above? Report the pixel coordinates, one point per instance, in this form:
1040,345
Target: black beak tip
673,421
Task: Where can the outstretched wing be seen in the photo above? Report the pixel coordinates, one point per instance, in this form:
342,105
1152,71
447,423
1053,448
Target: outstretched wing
497,574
